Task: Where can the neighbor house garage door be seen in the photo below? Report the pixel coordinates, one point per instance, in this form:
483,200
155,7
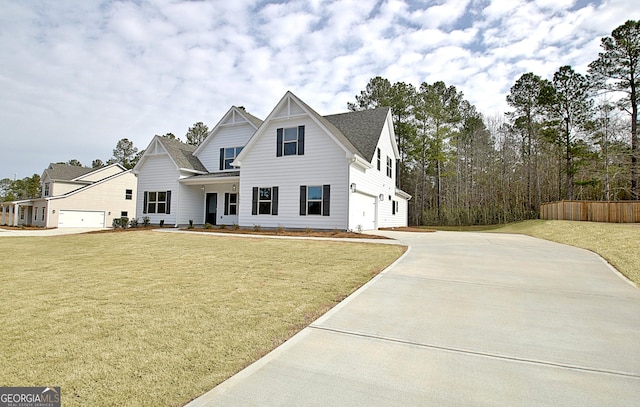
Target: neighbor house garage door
80,219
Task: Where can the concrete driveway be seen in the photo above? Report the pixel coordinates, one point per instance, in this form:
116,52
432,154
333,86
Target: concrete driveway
44,232
463,319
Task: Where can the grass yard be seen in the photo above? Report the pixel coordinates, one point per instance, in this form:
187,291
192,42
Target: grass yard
618,243
156,319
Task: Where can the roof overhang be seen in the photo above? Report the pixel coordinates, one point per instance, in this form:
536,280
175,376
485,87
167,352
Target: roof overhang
216,178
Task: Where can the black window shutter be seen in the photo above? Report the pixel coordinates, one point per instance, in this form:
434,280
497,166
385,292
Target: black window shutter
168,202
303,200
274,200
226,203
279,142
221,159
393,207
144,202
300,140
326,192
254,201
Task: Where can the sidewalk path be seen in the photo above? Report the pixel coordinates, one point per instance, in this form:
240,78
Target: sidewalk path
462,319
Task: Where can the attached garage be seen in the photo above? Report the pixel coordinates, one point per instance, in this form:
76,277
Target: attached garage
362,212
81,219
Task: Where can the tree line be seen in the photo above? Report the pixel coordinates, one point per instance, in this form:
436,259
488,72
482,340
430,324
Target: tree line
124,153
573,136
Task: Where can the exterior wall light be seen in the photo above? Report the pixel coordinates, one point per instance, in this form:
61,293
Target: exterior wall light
381,196
352,187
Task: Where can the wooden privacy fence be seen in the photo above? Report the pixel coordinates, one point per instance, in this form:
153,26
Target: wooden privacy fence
592,211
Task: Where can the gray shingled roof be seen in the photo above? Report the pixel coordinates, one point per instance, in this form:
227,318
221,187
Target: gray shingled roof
361,128
182,154
66,172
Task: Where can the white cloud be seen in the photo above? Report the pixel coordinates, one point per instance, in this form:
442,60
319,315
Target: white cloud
78,76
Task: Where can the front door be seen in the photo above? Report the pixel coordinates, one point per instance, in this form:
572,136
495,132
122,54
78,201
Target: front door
212,208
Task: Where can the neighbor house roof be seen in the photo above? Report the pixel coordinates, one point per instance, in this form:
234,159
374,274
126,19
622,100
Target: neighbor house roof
361,128
66,172
182,154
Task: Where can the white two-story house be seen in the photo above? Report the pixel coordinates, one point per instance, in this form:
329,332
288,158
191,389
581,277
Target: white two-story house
296,169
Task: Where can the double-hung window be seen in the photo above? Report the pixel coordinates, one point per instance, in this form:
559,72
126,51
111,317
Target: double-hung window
264,201
314,200
227,156
157,202
378,159
389,167
230,203
290,141
128,194
46,189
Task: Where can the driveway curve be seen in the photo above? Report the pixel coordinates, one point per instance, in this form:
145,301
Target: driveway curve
462,319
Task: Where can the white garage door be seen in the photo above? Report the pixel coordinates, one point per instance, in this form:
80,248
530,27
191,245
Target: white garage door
80,219
362,210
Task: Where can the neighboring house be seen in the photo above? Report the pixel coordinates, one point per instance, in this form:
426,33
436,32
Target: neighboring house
296,169
75,196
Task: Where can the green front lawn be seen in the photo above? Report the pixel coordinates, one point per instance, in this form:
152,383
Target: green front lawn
156,319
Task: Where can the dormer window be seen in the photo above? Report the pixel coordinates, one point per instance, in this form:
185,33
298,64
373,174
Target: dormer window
46,189
290,141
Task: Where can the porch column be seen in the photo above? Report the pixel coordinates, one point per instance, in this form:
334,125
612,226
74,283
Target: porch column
16,212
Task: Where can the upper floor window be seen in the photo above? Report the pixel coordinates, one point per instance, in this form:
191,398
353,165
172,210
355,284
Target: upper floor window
389,167
227,156
290,141
378,159
46,189
128,194
157,202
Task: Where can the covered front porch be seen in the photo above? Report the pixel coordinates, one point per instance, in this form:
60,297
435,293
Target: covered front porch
220,197
16,213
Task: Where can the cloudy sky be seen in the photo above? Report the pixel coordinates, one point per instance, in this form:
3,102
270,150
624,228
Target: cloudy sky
77,76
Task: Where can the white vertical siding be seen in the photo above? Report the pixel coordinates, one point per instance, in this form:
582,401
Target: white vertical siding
235,135
323,163
158,174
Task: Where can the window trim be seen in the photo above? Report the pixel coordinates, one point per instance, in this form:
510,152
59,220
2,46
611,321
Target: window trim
230,206
147,201
128,194
255,201
224,160
281,141
325,201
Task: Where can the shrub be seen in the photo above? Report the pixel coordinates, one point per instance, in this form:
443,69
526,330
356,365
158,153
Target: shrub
124,222
308,230
280,229
133,223
235,226
115,223
190,224
161,222
208,226
223,226
146,221
256,228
